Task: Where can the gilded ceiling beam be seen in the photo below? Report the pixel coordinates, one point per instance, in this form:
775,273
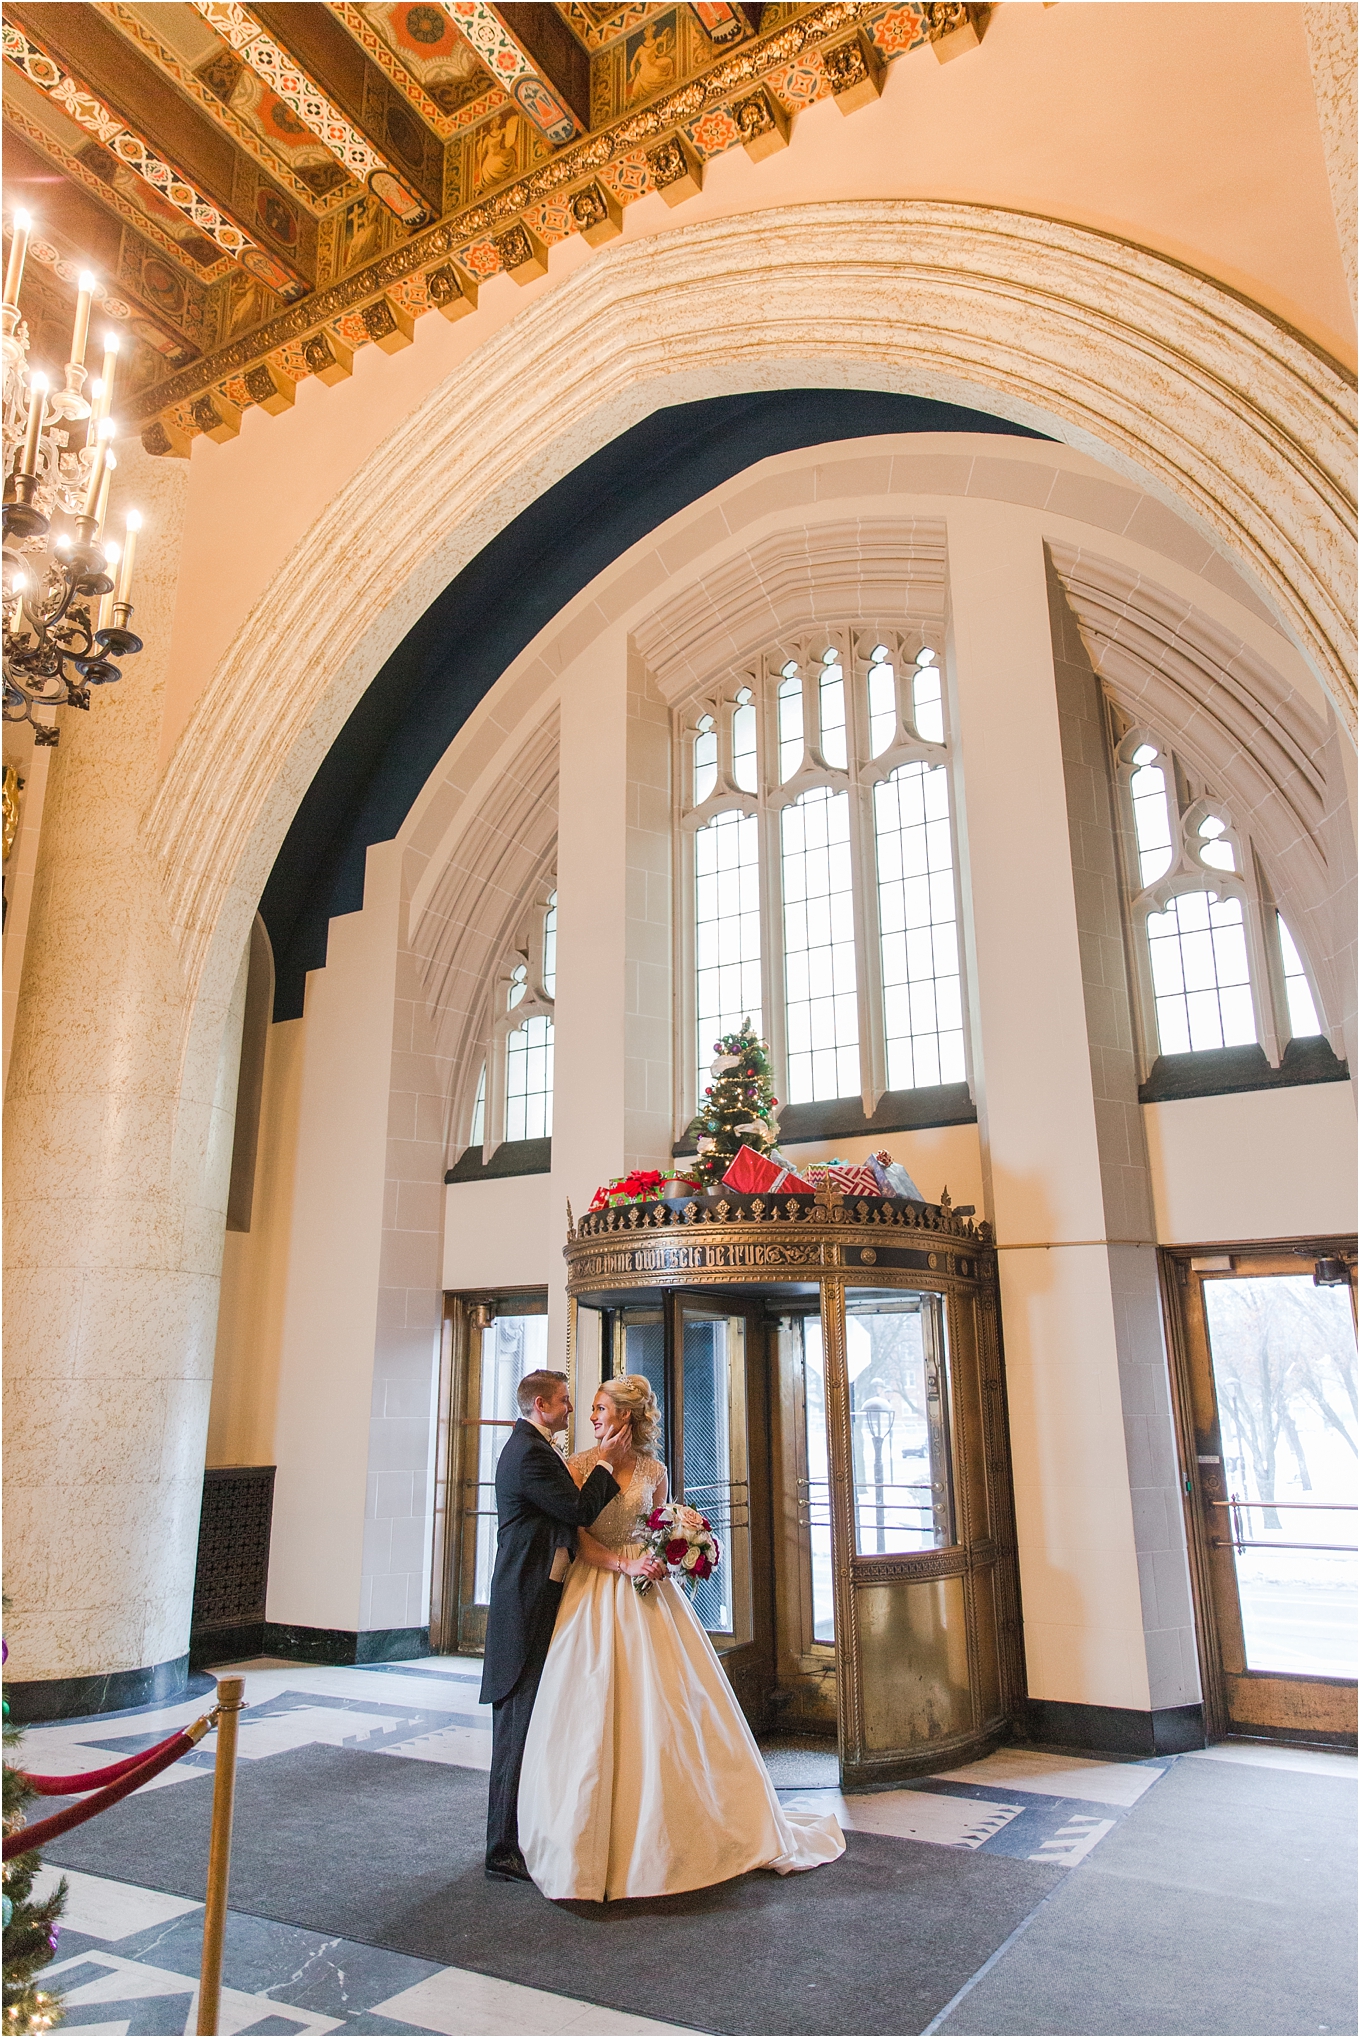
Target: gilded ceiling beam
581,189
318,113
90,112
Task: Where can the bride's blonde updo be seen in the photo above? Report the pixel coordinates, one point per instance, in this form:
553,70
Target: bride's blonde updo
631,1394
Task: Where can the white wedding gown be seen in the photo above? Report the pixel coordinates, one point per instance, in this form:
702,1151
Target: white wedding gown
641,1776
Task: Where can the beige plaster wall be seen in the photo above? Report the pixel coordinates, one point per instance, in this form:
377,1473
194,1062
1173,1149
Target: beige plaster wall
1268,1164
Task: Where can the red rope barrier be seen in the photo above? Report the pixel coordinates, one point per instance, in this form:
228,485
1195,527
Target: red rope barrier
95,1779
151,1764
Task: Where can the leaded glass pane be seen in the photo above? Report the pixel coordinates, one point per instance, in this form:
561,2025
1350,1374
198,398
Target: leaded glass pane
1151,816
1303,1018
705,760
529,1080
927,698
832,709
726,931
790,722
550,947
819,948
882,702
922,1000
1200,978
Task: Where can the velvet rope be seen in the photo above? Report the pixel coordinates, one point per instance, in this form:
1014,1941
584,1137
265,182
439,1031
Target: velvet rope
151,1764
95,1779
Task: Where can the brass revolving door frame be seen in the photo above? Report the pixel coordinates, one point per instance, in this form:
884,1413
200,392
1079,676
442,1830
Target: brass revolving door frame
928,1641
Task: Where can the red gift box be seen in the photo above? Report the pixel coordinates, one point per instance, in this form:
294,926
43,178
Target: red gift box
852,1178
755,1174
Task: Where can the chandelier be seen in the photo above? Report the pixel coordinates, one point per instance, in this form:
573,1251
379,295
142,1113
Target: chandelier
67,586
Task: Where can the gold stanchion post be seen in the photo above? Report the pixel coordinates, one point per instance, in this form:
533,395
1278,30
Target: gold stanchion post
230,1699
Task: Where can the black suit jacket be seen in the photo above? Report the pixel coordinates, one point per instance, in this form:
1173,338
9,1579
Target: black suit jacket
539,1508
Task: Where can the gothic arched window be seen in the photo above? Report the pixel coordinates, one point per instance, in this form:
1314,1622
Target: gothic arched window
514,1099
1217,966
819,861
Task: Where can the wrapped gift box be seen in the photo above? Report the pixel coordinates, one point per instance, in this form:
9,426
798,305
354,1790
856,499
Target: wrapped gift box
852,1178
754,1174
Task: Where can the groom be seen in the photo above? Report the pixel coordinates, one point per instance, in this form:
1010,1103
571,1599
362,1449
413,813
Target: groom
539,1510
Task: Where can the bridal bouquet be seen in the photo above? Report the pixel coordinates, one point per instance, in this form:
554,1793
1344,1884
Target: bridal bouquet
683,1538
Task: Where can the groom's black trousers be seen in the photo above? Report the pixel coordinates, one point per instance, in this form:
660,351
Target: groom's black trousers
509,1730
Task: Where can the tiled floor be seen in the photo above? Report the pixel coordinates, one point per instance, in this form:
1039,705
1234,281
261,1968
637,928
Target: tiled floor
129,1956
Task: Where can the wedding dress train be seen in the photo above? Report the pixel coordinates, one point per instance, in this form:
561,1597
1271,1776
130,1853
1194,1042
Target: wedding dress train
641,1776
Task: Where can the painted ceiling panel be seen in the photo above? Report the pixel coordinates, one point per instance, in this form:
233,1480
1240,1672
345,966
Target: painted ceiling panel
282,181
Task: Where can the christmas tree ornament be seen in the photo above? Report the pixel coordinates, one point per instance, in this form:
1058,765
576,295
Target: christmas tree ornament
738,1108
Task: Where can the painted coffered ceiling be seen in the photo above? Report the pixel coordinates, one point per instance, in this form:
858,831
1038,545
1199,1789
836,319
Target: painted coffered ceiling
263,189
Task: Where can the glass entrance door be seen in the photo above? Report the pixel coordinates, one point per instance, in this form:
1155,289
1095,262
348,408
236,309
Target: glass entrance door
1271,1361
700,1354
804,1584
492,1341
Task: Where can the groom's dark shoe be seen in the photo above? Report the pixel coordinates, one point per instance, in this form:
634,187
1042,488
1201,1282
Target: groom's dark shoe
507,1868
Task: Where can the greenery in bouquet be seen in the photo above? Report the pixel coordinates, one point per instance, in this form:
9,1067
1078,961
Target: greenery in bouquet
682,1539
739,1108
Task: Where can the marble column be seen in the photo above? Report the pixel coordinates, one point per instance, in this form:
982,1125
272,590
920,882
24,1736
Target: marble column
1080,1346
117,1158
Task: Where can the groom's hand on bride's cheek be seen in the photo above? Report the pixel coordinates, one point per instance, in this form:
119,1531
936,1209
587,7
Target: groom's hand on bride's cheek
614,1444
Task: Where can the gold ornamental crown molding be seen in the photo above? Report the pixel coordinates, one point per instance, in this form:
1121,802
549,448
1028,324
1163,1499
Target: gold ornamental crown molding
498,215
1104,345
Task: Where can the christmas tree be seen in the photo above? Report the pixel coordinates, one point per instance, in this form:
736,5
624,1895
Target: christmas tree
30,1924
739,1107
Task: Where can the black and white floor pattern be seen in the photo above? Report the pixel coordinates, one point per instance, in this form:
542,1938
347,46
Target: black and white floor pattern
128,1958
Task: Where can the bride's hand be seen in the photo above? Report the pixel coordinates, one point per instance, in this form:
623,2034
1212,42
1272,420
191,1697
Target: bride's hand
643,1567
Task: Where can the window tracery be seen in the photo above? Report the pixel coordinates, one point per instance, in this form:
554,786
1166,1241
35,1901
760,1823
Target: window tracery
1216,966
514,1099
817,847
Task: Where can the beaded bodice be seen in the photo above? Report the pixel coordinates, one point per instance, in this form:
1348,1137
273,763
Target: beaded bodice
622,1522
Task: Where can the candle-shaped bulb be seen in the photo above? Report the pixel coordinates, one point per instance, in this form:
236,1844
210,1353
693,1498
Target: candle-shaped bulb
85,291
101,508
18,248
105,404
96,481
37,405
124,594
105,616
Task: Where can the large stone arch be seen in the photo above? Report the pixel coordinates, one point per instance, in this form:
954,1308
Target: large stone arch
1231,416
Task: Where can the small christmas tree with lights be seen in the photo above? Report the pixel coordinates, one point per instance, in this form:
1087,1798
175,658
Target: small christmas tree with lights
30,1923
739,1107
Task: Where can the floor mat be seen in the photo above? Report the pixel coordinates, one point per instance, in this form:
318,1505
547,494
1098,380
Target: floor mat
387,1851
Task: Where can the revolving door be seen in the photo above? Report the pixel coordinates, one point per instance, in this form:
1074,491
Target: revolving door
830,1379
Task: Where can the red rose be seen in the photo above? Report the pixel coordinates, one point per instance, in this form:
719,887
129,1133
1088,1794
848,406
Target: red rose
702,1567
675,1551
705,1520
657,1518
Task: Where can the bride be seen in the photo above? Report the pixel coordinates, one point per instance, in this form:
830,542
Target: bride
641,1776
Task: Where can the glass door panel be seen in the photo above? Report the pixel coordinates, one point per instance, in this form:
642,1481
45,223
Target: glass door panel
1265,1381
804,1584
640,1347
714,1469
814,1485
899,1415
509,1347
1284,1370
